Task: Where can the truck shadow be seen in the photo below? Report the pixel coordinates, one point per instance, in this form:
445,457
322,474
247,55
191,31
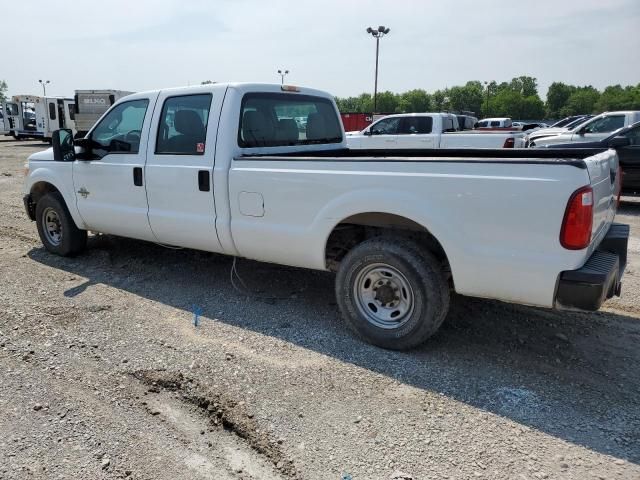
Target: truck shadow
571,375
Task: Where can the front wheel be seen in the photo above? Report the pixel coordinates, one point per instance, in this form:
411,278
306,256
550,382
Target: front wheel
57,230
392,293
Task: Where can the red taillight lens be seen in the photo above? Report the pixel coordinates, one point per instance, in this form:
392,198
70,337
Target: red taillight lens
509,143
575,233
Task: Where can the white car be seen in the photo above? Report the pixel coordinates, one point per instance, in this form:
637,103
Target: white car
233,174
428,131
593,129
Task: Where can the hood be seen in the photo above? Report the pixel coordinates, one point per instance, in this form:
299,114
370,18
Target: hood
543,132
45,155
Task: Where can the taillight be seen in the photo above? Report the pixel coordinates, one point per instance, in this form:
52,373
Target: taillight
575,233
509,143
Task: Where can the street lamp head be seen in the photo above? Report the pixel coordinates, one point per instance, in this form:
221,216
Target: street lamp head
369,30
381,28
280,71
286,71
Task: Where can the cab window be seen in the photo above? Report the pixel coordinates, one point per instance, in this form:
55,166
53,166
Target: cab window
415,125
120,129
386,126
605,125
183,125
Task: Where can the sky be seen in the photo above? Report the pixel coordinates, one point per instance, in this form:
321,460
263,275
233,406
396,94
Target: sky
140,45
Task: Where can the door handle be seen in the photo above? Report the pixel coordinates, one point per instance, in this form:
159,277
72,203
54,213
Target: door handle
204,185
137,176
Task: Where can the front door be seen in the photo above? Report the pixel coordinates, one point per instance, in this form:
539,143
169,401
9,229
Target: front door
599,128
179,169
110,184
383,134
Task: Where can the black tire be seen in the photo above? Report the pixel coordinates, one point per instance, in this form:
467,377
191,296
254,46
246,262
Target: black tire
71,240
418,269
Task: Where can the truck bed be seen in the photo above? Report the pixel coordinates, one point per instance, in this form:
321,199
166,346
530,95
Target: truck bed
574,156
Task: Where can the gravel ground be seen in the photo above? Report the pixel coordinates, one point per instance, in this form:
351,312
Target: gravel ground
105,376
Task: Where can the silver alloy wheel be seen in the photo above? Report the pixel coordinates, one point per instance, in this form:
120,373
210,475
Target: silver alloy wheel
51,226
383,295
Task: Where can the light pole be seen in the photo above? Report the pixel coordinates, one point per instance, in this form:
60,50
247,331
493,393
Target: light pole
486,113
282,74
378,33
44,86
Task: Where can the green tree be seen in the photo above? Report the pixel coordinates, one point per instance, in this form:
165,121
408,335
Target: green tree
557,97
387,102
3,91
526,86
582,100
414,101
468,97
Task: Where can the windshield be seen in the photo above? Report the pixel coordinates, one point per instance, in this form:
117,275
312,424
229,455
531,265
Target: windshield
285,119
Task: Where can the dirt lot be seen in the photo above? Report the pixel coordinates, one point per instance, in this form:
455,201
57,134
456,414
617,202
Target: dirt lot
104,374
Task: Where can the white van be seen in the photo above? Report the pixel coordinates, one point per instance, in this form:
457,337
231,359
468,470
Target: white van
39,117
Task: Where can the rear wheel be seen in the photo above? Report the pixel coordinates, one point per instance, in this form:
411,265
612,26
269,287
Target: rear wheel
392,293
58,232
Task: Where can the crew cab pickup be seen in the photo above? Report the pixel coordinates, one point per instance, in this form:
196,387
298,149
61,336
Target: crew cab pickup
226,168
591,130
429,130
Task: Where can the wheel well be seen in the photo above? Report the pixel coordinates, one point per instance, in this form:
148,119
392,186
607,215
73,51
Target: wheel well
357,228
40,189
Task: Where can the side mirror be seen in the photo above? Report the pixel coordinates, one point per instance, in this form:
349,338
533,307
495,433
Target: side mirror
367,132
619,141
63,147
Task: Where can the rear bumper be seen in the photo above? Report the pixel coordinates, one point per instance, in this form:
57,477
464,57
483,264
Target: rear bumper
599,278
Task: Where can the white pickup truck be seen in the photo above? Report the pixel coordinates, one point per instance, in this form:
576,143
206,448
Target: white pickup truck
595,128
226,168
428,130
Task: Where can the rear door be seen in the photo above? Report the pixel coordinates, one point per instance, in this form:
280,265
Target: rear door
417,132
179,169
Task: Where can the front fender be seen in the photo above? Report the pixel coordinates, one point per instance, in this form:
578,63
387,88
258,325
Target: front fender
60,175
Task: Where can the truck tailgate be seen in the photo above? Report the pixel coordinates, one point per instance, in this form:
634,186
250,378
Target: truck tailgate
603,171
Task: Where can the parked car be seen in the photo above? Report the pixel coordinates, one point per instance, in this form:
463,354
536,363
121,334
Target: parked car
596,128
495,123
567,120
403,230
466,122
428,130
626,141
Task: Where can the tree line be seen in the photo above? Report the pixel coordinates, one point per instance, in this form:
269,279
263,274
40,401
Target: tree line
518,99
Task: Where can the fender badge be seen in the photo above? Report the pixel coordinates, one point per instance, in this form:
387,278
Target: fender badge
84,192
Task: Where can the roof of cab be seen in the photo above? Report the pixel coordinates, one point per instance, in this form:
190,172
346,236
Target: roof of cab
241,86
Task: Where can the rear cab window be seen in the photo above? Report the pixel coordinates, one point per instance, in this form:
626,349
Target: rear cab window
284,119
